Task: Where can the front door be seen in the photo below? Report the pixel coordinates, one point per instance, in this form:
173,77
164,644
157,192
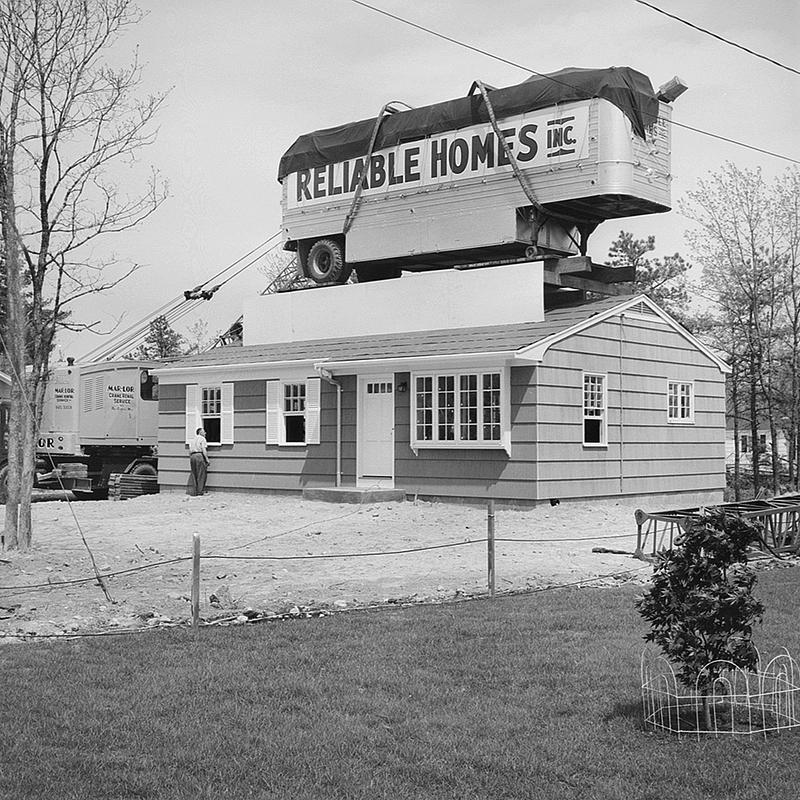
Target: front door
376,431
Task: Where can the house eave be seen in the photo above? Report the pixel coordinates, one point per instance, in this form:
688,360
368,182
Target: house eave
409,363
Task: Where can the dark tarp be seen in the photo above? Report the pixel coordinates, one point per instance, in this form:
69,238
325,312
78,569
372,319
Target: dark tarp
629,90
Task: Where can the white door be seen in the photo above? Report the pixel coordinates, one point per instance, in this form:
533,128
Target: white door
376,431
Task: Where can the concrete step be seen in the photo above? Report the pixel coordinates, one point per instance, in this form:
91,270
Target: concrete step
353,494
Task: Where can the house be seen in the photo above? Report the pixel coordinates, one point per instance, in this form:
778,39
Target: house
746,448
453,384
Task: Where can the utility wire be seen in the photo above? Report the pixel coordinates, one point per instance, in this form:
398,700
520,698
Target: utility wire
717,36
554,80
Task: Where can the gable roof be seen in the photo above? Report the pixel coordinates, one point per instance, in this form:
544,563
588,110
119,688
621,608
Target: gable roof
526,341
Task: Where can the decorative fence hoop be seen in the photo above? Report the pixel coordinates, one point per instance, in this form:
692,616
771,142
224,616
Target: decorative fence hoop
740,703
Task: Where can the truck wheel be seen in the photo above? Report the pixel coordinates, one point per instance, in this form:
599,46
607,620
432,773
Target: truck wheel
325,262
144,469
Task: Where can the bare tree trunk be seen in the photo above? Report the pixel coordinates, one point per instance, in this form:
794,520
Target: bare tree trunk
737,457
753,390
14,344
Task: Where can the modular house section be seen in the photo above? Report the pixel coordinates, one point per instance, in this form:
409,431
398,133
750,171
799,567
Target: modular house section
598,400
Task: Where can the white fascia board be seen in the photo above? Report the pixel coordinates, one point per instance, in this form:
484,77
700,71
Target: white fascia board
536,352
5,378
231,372
416,363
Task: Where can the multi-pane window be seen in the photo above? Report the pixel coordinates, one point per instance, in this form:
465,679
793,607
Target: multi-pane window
211,412
425,408
458,408
680,401
294,412
594,409
446,407
491,406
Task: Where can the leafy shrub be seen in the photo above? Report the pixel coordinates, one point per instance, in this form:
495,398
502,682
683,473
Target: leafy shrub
700,607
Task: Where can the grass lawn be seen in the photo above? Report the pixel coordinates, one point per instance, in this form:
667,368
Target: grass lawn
525,697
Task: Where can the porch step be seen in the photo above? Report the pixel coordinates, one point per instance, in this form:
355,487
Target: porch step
352,494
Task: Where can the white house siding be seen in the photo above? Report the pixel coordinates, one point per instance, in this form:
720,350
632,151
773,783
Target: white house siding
249,463
645,454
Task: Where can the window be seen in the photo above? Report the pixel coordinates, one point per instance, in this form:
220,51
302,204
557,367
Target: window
457,410
762,441
211,412
744,444
148,385
680,401
211,408
294,412
594,410
293,409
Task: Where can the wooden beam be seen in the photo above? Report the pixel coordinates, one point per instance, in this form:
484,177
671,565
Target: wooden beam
598,287
560,266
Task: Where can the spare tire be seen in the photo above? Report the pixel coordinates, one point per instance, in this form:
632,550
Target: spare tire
144,469
325,262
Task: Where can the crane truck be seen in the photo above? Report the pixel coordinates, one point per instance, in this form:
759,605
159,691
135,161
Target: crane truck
97,420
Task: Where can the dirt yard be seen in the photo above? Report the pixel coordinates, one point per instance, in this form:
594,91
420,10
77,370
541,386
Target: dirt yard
124,535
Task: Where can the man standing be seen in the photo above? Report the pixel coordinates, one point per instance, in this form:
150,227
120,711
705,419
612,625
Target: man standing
198,464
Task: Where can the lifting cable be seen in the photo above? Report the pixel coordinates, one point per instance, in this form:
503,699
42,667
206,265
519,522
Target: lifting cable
364,177
176,308
540,212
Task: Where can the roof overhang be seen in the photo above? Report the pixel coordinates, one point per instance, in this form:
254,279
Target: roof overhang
408,363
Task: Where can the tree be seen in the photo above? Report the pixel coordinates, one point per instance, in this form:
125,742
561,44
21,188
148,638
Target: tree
66,118
662,280
746,238
701,607
162,341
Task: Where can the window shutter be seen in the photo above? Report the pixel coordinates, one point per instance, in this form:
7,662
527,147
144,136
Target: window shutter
192,412
226,423
312,410
273,412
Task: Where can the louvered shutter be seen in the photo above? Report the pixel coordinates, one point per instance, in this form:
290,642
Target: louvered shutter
312,410
273,412
192,412
226,423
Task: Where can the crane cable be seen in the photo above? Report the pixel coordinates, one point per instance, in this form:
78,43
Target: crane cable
177,308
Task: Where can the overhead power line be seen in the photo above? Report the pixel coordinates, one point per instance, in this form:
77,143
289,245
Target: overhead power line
550,78
717,36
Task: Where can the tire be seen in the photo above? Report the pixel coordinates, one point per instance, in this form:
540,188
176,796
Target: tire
325,262
144,469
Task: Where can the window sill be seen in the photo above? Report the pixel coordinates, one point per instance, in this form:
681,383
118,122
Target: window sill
595,445
680,422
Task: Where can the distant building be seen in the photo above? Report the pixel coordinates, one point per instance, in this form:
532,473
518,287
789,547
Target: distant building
453,384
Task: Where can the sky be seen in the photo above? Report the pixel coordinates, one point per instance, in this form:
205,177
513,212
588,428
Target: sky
247,77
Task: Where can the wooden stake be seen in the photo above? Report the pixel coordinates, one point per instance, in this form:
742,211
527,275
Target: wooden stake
196,580
490,545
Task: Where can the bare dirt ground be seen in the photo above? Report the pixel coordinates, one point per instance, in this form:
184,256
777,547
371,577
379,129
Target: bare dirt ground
127,535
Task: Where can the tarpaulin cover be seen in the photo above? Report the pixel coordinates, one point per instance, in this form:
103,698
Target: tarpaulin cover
629,90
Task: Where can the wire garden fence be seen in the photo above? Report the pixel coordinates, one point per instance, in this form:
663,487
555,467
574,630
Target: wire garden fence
737,703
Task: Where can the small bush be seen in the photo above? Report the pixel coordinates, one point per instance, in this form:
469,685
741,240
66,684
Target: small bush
701,608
